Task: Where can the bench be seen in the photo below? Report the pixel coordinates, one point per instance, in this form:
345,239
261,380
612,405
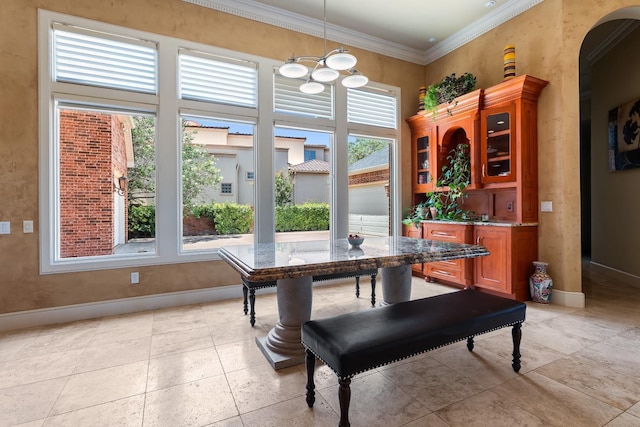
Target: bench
249,288
356,342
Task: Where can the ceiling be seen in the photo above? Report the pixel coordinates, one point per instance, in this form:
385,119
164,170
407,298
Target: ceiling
418,31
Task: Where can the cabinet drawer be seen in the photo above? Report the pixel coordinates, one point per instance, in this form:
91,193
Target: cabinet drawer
439,270
447,232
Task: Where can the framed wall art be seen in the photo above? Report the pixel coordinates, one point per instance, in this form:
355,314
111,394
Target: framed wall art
624,136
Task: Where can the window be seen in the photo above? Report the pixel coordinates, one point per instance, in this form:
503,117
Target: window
116,135
226,188
309,155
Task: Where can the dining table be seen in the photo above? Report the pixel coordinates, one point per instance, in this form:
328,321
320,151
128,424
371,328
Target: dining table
293,264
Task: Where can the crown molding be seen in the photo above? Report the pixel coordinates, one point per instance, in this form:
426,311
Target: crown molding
315,27
611,40
483,25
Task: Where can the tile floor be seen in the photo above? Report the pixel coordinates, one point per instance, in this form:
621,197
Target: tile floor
198,365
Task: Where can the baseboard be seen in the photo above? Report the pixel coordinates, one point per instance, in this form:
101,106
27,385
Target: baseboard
72,313
568,299
615,274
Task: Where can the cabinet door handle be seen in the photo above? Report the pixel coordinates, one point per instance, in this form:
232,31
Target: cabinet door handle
483,170
478,240
441,233
444,273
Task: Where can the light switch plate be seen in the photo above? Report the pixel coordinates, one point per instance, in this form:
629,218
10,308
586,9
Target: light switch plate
546,206
135,278
5,227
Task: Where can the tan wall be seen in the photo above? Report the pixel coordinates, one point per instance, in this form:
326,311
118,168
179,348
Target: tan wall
21,286
547,38
615,202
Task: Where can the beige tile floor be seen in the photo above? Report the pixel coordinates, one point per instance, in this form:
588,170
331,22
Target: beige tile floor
198,365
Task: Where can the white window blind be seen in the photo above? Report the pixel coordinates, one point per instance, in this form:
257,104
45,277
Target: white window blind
289,100
97,59
371,108
212,79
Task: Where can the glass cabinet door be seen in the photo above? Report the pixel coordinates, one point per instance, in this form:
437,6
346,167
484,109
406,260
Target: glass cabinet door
498,149
422,157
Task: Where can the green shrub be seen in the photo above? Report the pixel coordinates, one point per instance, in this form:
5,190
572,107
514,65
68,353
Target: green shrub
232,218
142,221
305,217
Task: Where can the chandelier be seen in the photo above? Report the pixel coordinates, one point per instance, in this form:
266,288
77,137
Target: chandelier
325,69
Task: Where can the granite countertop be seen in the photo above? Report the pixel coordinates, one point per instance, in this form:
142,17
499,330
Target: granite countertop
492,223
271,261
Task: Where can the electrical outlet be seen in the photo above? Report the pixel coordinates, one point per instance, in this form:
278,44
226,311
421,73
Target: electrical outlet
546,206
510,206
135,277
27,226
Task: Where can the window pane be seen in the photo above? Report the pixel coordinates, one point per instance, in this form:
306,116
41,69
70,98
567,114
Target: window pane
106,187
302,184
80,57
206,78
288,99
371,108
369,201
217,200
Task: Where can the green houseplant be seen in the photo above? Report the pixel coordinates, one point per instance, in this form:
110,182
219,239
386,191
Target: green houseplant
456,176
447,90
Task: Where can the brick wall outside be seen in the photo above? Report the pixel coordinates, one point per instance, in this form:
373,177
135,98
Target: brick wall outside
86,186
192,226
119,160
368,177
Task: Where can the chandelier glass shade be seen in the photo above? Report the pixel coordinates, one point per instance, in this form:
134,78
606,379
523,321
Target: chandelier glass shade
324,69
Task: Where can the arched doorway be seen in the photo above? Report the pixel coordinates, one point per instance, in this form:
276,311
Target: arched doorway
607,80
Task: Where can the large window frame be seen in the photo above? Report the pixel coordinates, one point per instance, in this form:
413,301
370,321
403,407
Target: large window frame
168,108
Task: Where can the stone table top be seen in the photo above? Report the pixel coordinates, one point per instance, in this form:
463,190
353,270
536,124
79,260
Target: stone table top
271,261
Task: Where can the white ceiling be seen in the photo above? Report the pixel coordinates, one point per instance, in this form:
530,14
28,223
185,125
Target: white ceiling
419,31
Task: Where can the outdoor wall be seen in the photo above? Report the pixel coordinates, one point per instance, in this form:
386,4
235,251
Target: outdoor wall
615,204
86,184
21,285
547,38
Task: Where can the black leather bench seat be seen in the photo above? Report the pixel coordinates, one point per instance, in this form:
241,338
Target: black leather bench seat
359,341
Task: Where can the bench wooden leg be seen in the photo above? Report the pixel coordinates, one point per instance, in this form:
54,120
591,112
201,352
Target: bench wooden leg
310,360
373,290
470,343
344,397
252,305
245,293
357,286
516,333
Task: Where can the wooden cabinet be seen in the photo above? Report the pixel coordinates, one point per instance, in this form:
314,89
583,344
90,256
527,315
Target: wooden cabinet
507,269
423,143
500,124
414,231
458,271
508,143
498,148
435,133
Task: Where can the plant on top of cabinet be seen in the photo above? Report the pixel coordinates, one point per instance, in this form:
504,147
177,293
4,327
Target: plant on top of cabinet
456,176
447,90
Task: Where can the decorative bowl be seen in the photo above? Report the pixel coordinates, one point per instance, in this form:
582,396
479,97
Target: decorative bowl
355,240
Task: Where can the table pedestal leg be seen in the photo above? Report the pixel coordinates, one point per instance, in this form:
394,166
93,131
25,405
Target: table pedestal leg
282,346
396,284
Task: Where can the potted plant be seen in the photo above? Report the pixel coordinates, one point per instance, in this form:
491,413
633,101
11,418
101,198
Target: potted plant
434,202
456,176
447,90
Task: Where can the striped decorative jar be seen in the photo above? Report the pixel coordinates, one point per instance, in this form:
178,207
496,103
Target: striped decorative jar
509,62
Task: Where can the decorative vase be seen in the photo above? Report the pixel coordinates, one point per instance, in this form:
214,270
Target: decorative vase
509,62
540,283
